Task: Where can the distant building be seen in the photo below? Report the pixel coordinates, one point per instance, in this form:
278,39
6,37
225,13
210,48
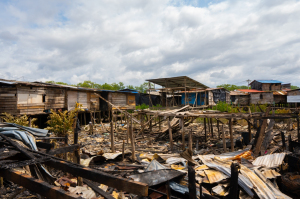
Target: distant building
266,85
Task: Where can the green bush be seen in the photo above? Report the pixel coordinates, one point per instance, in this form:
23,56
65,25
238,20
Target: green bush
20,120
142,106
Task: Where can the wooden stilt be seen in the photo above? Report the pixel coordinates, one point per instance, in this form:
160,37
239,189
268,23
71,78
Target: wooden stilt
191,141
223,138
192,183
249,130
182,132
204,119
218,126
211,126
231,135
123,150
170,134
112,137
132,141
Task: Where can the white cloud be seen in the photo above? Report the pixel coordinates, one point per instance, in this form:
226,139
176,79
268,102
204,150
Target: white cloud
130,41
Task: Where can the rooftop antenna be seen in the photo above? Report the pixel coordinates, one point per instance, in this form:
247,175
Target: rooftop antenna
248,80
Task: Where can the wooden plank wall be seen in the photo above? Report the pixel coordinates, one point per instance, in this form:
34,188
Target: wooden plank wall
267,98
8,100
55,98
34,104
94,102
274,87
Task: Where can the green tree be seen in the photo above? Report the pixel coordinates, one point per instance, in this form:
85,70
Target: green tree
294,87
130,87
231,87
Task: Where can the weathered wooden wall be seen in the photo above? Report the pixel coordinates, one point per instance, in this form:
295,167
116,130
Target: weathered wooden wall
31,100
122,100
55,98
242,100
293,96
261,98
280,99
8,100
265,86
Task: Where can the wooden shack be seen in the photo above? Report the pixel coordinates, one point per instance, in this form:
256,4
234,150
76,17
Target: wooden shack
280,97
266,85
34,98
262,98
239,98
121,99
293,97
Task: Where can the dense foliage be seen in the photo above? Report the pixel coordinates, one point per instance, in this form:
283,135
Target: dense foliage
20,120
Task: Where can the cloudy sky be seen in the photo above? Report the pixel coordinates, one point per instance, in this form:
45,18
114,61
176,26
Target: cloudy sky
212,41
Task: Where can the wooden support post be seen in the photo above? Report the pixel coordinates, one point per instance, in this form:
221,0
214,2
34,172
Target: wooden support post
249,131
159,123
123,150
218,126
128,130
298,130
290,143
192,183
208,125
168,190
132,141
142,123
150,124
223,138
170,134
211,126
283,140
91,128
112,137
191,142
30,122
231,134
234,187
182,132
84,115
204,119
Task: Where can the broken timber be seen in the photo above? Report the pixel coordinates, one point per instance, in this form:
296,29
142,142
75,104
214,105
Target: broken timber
119,183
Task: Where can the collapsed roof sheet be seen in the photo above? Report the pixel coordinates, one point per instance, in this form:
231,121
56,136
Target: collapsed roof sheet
178,82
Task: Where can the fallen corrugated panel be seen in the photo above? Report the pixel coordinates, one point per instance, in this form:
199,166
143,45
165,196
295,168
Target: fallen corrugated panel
201,167
154,165
156,177
242,180
276,192
220,190
270,173
269,161
214,176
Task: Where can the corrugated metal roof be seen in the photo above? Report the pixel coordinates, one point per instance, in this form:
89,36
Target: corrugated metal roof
279,93
268,81
269,161
250,91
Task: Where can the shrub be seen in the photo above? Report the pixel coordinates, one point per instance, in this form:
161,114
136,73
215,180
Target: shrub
61,122
20,120
142,106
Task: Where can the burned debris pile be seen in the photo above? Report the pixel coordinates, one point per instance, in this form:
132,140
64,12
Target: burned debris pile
174,153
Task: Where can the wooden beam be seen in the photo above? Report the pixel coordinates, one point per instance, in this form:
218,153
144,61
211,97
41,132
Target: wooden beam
231,134
35,185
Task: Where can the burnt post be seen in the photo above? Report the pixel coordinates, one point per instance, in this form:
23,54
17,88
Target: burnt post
204,119
290,143
112,136
298,130
218,126
168,190
170,134
234,187
192,183
191,142
211,126
249,130
182,131
283,140
231,135
223,138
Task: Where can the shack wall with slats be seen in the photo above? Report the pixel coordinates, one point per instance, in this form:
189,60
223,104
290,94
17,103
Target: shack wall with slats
79,97
280,99
261,98
8,100
118,99
30,100
94,102
293,96
55,98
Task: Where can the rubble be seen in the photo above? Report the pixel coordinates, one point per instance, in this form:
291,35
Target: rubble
163,153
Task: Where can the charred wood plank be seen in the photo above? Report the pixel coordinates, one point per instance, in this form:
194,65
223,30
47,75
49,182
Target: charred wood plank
35,185
45,145
24,163
64,149
119,183
97,189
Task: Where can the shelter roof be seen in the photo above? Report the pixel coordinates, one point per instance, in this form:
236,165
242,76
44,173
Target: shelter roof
268,81
238,93
178,83
250,91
